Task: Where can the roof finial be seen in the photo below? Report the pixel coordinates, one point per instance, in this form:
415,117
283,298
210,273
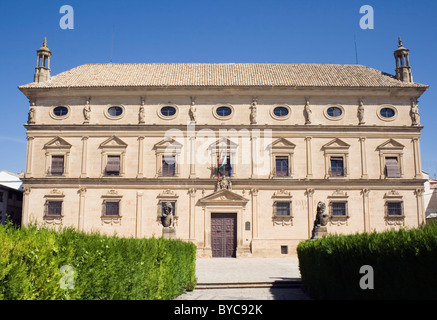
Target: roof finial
400,41
45,42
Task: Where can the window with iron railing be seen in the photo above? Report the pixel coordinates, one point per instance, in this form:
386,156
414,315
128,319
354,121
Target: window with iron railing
392,168
282,168
57,167
337,167
168,166
113,166
53,208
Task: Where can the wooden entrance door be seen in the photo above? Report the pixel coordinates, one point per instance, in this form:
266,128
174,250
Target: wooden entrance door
224,234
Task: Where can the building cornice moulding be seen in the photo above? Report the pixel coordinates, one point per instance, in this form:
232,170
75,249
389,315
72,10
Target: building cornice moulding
333,91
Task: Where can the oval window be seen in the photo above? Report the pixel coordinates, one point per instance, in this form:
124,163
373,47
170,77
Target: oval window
387,112
281,111
60,111
223,111
334,112
168,111
115,111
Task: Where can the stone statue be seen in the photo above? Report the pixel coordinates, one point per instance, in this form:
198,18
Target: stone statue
322,217
87,111
167,215
141,115
307,111
192,111
31,116
321,221
414,112
253,111
361,112
224,183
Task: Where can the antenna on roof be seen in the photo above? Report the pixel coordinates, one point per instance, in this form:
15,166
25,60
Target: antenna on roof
112,43
356,51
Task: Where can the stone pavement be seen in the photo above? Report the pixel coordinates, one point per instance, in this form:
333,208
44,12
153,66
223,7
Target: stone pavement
246,279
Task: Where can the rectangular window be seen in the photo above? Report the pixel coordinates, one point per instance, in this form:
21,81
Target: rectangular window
337,167
168,166
282,167
339,209
54,208
1,196
57,168
112,208
113,166
394,208
283,209
392,169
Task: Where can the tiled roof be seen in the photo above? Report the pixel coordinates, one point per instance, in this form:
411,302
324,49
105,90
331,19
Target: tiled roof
221,75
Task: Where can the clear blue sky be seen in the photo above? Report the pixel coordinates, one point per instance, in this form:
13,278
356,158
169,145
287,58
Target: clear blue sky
258,31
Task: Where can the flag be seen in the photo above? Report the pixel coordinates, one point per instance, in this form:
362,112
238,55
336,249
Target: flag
222,162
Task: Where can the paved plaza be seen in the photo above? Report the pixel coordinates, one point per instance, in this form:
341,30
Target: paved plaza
246,279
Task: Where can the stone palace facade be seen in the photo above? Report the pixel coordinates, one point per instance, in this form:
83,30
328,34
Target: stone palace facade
238,154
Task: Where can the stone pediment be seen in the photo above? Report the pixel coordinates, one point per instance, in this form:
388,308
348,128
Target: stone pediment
163,144
113,142
390,144
57,143
224,197
223,143
281,143
336,144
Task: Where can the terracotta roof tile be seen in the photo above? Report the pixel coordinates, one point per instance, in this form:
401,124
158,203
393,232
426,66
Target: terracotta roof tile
220,75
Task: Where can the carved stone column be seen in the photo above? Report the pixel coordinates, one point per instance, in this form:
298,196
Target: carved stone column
309,193
25,214
81,218
29,156
192,214
192,158
83,173
366,212
254,157
364,174
255,226
420,206
139,215
308,157
140,157
417,160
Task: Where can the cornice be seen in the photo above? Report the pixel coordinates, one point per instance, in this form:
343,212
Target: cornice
237,184
143,128
222,90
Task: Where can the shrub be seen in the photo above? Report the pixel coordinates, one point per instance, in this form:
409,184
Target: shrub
404,264
104,267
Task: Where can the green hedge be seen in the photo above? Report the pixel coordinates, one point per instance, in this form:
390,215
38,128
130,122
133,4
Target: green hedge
102,267
404,265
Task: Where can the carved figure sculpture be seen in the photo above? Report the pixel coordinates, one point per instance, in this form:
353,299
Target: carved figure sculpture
307,111
141,115
167,215
253,111
414,113
31,116
224,183
192,111
87,111
321,221
361,112
322,217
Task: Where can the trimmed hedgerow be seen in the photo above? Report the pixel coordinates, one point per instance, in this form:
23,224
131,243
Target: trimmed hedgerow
403,263
102,267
